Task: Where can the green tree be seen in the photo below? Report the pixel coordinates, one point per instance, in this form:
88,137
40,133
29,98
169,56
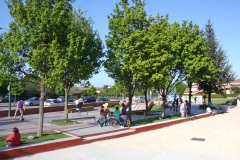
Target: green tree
164,64
218,57
126,24
39,27
79,56
10,64
180,87
194,56
91,91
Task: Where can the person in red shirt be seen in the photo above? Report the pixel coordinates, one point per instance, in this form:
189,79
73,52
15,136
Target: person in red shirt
14,139
101,110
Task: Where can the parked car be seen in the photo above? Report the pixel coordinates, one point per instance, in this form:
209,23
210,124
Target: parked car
6,99
52,102
89,99
138,99
103,99
62,98
34,101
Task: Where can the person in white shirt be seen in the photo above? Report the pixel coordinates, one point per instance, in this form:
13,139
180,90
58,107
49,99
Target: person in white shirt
182,108
77,104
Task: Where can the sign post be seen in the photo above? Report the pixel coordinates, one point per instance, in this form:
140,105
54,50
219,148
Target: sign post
9,100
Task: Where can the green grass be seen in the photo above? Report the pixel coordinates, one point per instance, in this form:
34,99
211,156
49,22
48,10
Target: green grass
60,123
153,120
156,107
219,100
48,135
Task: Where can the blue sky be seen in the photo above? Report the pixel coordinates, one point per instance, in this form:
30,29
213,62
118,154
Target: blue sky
224,14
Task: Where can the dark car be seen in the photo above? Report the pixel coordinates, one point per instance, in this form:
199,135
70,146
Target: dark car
103,99
6,99
62,99
89,99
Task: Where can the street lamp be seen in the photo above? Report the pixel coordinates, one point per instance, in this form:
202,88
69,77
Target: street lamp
9,99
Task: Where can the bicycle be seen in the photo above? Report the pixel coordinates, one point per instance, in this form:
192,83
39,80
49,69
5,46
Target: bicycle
107,121
121,122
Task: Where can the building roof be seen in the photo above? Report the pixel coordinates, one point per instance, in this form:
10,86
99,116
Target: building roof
235,83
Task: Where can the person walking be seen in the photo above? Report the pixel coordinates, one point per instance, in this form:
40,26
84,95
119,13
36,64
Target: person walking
187,108
177,105
77,104
182,108
20,107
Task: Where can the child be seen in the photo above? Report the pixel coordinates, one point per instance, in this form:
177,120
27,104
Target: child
116,113
101,110
124,111
14,139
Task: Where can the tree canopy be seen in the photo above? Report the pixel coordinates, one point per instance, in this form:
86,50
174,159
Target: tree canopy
218,57
53,43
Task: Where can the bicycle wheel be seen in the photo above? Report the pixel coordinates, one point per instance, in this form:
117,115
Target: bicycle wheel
128,124
115,123
100,121
110,121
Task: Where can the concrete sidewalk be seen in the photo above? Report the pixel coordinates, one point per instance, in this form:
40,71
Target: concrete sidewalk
30,123
220,133
82,134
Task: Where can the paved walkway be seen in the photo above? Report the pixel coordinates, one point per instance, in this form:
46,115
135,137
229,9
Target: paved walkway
30,124
89,131
220,133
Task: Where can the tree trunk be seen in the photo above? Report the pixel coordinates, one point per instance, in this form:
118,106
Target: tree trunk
209,97
146,101
190,97
130,104
163,105
66,104
41,112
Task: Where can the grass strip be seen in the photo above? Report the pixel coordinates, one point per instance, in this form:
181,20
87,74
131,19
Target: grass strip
153,120
48,135
60,123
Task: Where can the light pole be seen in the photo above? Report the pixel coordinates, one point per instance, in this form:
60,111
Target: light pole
9,99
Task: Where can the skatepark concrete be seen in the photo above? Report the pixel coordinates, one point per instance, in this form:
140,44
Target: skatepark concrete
220,133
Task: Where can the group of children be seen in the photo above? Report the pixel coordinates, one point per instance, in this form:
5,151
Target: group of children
106,113
183,107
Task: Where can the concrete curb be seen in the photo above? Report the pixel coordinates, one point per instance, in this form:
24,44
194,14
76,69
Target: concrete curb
29,150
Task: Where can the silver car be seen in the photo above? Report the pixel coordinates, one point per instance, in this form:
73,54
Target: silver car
34,101
52,102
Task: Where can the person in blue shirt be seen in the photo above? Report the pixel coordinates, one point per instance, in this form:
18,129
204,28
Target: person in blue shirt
210,104
175,97
116,113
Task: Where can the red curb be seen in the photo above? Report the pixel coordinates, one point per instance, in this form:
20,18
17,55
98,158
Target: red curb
79,141
39,148
96,134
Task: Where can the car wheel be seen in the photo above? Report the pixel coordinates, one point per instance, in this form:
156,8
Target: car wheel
31,104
